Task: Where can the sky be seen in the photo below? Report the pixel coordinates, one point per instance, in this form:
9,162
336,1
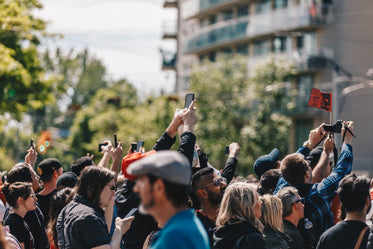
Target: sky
126,35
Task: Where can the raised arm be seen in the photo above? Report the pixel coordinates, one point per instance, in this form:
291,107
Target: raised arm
322,168
188,139
106,154
230,165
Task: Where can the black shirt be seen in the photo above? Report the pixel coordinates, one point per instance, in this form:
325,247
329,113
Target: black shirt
44,204
343,235
82,225
36,223
292,231
209,226
20,230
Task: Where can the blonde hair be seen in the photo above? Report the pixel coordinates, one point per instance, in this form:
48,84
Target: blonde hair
237,204
272,212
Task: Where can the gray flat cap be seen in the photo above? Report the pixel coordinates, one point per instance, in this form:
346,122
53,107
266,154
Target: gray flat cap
168,165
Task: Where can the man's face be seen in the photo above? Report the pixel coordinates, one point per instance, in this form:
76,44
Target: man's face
145,191
35,180
215,187
300,207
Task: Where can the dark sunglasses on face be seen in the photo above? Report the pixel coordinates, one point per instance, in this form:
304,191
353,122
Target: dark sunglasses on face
300,200
217,182
112,187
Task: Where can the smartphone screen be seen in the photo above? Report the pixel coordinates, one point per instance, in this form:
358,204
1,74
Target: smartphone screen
99,146
139,144
115,140
226,151
188,99
133,147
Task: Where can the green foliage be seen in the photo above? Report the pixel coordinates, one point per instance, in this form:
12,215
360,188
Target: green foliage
22,82
233,107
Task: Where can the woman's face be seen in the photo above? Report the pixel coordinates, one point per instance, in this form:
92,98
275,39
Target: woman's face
257,206
107,195
30,202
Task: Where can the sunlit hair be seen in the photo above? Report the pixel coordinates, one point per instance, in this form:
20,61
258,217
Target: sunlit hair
12,191
271,212
238,204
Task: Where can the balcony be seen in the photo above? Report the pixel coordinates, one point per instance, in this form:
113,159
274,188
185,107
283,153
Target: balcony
170,4
168,61
218,35
280,20
169,30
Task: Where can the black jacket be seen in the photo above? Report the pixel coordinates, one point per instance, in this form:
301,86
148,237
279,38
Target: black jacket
238,235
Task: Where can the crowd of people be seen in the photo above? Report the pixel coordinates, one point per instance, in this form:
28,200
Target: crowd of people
164,199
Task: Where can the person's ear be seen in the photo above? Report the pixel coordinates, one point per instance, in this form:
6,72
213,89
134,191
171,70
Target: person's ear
159,187
202,193
20,200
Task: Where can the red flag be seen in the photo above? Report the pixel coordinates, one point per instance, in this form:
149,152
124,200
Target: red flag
320,100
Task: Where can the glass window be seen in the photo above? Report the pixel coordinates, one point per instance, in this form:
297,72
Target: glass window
300,42
212,56
228,14
213,19
280,4
263,6
262,48
242,49
310,42
243,10
279,44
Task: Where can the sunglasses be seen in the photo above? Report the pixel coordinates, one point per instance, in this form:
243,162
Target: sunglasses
300,200
217,182
112,187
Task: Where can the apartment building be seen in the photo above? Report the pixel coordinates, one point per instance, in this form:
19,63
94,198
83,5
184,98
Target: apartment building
330,43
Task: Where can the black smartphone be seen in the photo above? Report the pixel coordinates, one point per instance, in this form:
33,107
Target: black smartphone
139,144
115,140
32,143
188,99
133,147
226,151
99,146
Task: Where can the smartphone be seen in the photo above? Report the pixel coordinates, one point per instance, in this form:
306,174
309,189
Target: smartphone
130,213
188,99
139,144
115,140
32,143
133,147
99,146
226,151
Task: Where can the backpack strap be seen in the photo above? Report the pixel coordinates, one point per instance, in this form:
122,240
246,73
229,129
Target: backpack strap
358,242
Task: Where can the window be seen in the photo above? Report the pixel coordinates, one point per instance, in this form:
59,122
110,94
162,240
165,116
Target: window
243,11
212,56
279,44
213,19
242,49
227,15
263,6
300,42
280,4
262,48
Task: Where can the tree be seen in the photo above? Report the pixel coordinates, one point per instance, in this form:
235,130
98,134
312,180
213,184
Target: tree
234,107
22,82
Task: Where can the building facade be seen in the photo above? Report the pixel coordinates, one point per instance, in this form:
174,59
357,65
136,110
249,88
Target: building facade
328,41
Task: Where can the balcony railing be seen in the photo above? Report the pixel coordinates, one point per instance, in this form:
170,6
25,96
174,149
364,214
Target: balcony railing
169,30
218,35
279,20
168,61
170,4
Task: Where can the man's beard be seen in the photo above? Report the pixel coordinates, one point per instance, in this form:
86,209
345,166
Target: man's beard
144,208
215,198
